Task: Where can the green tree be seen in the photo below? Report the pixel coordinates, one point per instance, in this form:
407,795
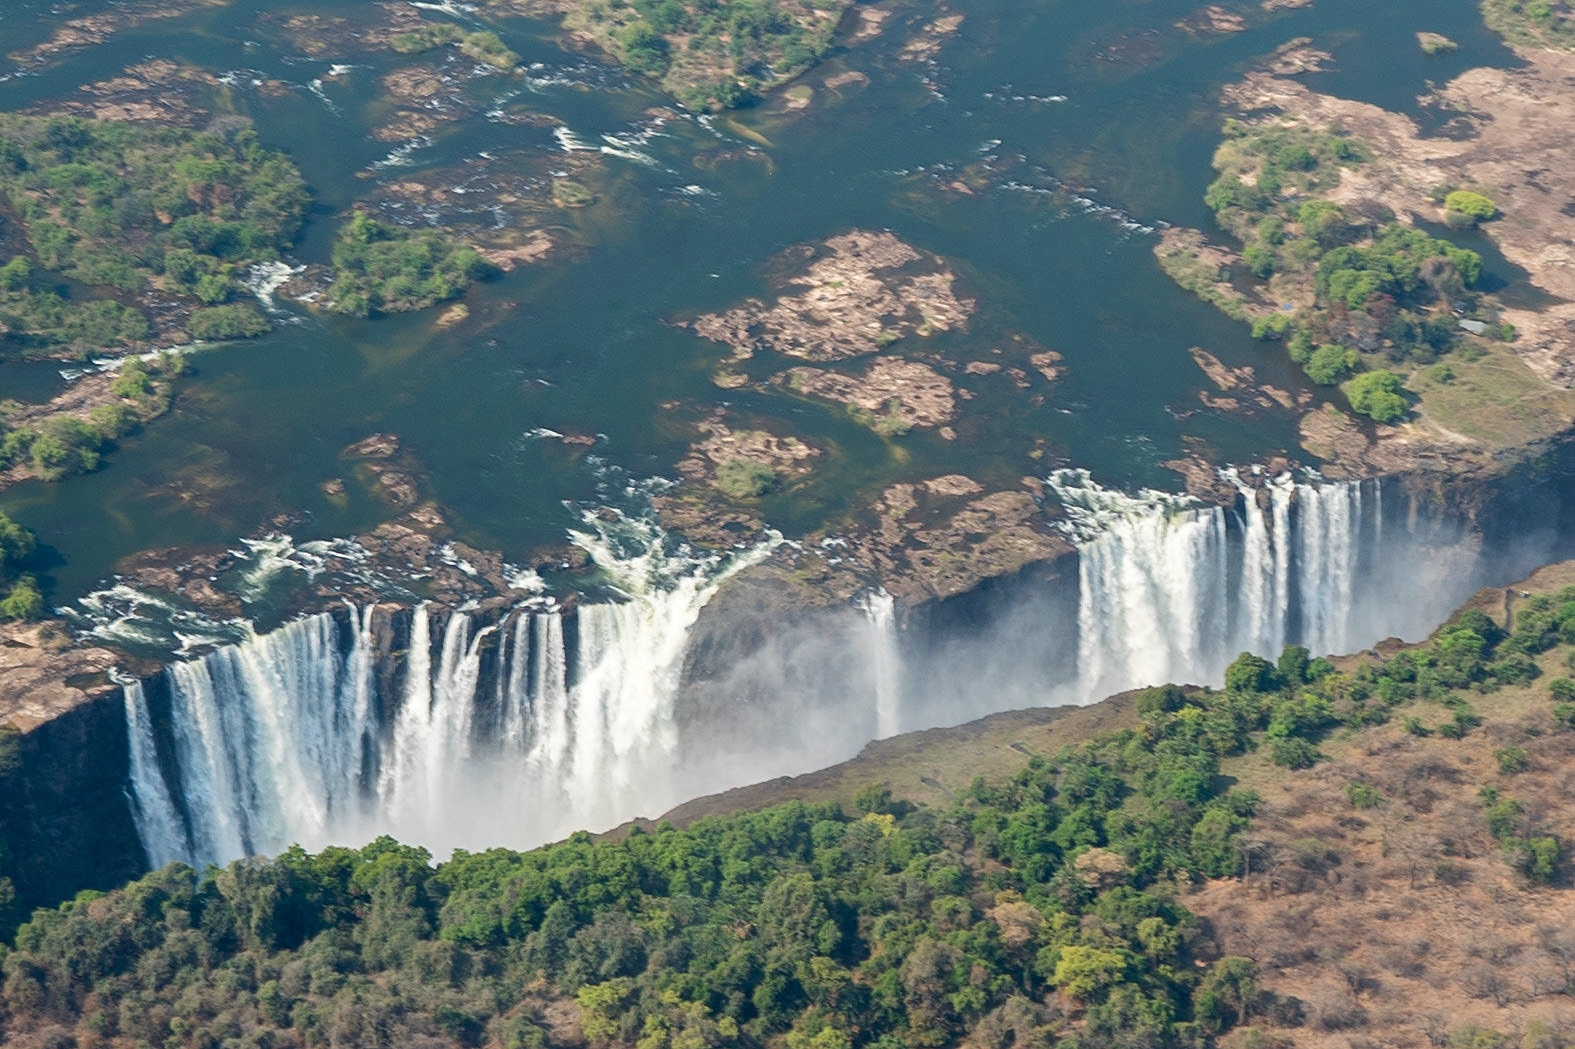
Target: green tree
1376,394
1472,205
1082,972
1330,365
1250,673
23,601
16,545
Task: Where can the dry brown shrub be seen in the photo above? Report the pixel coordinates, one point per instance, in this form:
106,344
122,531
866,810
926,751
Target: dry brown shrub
1408,960
1332,1007
1486,980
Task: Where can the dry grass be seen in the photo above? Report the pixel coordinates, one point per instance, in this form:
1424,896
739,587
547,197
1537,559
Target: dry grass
1392,926
1497,401
1398,924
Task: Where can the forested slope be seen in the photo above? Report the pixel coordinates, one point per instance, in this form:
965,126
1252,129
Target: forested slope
1050,907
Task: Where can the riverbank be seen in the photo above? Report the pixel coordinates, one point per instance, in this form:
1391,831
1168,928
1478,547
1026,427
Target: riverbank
1489,379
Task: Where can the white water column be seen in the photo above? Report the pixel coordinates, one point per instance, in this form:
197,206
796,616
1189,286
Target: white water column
284,739
885,661
1172,589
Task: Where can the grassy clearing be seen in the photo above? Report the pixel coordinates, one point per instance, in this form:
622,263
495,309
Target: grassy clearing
1494,399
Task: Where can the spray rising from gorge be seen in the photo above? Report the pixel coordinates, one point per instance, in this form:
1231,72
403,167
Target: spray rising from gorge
520,725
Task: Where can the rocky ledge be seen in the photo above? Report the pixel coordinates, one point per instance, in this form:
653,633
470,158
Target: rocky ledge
861,292
867,312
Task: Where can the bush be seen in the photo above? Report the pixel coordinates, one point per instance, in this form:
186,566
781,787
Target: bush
16,545
1260,261
1511,760
1362,796
1474,206
645,51
236,321
425,38
134,207
1251,674
1271,326
382,268
1537,859
486,47
64,446
23,601
132,383
1293,752
1376,394
1330,365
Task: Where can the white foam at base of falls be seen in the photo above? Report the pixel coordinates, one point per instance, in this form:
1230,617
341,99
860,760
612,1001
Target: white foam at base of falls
278,740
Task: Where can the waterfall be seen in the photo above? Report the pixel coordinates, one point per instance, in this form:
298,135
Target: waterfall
511,731
884,661
158,821
515,726
1172,589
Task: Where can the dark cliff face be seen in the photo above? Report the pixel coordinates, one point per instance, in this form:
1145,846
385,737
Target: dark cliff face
1523,515
64,812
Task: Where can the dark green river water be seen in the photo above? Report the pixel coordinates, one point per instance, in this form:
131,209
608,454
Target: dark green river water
1083,128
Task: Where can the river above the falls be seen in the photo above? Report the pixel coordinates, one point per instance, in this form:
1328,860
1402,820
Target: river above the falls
1037,150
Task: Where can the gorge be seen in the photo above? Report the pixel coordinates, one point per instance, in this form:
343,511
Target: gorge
520,724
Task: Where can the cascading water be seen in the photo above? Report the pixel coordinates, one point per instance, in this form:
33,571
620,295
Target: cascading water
885,659
1170,589
506,731
516,726
158,820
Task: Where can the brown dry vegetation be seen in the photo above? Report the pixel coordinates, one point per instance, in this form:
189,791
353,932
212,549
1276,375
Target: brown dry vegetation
1404,918
1397,925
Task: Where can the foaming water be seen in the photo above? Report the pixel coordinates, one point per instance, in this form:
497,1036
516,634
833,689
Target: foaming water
1171,589
470,731
471,728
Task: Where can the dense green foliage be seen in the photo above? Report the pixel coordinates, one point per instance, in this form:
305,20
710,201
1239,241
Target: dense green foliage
19,599
487,48
482,46
236,320
427,36
1532,23
1470,204
130,207
896,927
1037,911
1376,394
1470,654
39,316
380,268
714,54
1379,288
63,445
